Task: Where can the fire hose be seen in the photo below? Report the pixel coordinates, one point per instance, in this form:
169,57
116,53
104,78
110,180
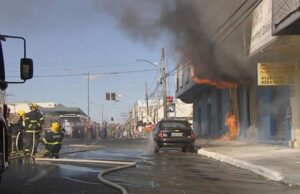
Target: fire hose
33,143
17,141
101,174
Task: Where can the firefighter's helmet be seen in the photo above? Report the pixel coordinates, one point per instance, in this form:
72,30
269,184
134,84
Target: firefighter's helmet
21,113
33,106
55,127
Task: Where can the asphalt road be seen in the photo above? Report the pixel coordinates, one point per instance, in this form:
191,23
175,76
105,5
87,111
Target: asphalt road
169,171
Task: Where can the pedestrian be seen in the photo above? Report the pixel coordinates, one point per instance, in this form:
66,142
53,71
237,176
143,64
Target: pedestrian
53,140
98,130
68,128
33,127
89,130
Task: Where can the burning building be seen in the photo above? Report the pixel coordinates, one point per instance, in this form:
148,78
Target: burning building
220,44
240,97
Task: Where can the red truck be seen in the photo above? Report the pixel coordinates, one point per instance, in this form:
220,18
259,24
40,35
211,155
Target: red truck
26,72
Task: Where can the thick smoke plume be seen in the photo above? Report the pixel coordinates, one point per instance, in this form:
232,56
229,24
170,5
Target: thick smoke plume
188,24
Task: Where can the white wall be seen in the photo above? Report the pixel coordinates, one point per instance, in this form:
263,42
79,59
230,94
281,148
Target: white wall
14,107
181,110
295,106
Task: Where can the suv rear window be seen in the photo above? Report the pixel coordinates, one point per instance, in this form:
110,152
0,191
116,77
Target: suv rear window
174,124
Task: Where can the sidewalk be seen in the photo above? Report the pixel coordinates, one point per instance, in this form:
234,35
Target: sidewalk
278,163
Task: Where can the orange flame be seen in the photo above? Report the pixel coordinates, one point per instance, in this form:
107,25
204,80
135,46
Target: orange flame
231,122
217,84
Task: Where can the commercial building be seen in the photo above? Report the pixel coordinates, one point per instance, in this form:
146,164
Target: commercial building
246,87
50,110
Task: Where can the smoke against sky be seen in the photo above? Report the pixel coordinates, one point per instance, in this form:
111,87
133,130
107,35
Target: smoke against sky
76,35
187,25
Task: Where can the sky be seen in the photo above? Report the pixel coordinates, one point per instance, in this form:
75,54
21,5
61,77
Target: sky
73,38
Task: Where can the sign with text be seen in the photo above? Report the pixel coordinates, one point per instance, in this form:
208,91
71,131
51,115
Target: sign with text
275,74
170,99
171,107
261,34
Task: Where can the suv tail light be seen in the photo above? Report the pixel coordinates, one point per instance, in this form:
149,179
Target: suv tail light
161,135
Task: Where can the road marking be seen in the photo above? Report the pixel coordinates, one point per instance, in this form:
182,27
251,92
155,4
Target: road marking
40,175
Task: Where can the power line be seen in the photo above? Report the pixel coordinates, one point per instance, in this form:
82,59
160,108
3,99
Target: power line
67,68
100,73
227,20
253,6
155,80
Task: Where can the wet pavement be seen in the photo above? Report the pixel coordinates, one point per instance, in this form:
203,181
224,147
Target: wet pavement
273,160
169,171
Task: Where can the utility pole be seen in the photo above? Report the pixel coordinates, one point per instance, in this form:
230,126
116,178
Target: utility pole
164,84
88,95
102,114
147,103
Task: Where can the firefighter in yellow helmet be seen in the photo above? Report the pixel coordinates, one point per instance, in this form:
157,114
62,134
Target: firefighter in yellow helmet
33,126
53,140
16,126
21,113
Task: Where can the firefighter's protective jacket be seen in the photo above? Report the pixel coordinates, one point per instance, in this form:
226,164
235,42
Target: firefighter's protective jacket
33,121
53,141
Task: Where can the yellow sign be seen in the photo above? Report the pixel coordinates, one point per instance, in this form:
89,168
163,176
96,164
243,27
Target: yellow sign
275,74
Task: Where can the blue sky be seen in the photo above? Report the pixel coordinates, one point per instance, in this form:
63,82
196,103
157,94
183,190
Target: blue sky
73,37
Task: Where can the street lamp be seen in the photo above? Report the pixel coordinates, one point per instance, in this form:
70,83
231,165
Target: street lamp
163,79
145,60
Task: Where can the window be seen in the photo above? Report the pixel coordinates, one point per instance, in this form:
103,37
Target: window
2,69
187,79
175,124
180,78
177,82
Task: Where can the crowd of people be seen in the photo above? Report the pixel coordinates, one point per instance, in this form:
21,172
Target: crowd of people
94,130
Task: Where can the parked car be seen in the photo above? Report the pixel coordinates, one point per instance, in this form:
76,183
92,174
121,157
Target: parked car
174,133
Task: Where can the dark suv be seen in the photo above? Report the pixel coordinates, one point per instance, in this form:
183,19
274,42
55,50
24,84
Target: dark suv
175,133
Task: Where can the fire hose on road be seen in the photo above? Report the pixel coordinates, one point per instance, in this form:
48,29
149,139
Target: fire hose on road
101,174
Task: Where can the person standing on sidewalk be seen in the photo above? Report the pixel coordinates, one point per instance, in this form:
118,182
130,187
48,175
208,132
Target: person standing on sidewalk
33,126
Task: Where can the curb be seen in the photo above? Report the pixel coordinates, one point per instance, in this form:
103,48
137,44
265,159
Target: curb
268,173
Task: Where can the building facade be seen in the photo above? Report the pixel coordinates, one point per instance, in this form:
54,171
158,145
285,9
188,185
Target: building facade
252,99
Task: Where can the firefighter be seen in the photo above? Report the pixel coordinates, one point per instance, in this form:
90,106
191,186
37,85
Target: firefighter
20,129
33,126
15,126
53,140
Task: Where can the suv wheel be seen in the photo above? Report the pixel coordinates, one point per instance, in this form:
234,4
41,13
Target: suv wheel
183,149
156,149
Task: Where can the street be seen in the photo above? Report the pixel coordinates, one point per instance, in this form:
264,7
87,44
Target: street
169,171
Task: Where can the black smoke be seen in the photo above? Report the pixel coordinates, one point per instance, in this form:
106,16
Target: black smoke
188,24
